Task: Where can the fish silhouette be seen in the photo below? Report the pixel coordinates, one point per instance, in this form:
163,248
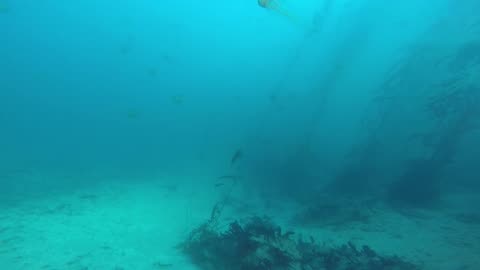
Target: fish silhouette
226,177
236,156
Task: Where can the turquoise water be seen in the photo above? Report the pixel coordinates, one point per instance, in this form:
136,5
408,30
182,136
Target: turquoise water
124,122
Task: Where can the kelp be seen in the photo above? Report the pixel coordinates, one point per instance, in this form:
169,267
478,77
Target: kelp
260,244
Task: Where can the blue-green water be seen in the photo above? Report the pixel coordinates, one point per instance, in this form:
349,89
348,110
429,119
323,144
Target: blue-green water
280,109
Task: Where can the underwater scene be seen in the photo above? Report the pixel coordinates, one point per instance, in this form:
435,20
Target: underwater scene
240,135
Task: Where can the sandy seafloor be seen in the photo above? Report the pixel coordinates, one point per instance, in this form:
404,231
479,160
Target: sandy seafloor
113,223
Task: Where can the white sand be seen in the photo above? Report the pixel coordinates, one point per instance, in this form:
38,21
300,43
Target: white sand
137,224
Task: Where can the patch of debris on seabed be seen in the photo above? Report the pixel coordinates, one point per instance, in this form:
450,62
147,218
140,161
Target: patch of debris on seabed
257,243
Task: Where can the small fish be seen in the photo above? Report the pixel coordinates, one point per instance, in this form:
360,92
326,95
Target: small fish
273,98
90,197
152,72
159,265
170,188
132,114
217,185
177,99
124,50
167,58
236,156
224,177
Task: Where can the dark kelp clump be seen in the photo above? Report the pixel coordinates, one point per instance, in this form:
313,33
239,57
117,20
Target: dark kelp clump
259,244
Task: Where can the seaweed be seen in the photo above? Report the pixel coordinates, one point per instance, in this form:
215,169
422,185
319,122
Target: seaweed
259,244
253,245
